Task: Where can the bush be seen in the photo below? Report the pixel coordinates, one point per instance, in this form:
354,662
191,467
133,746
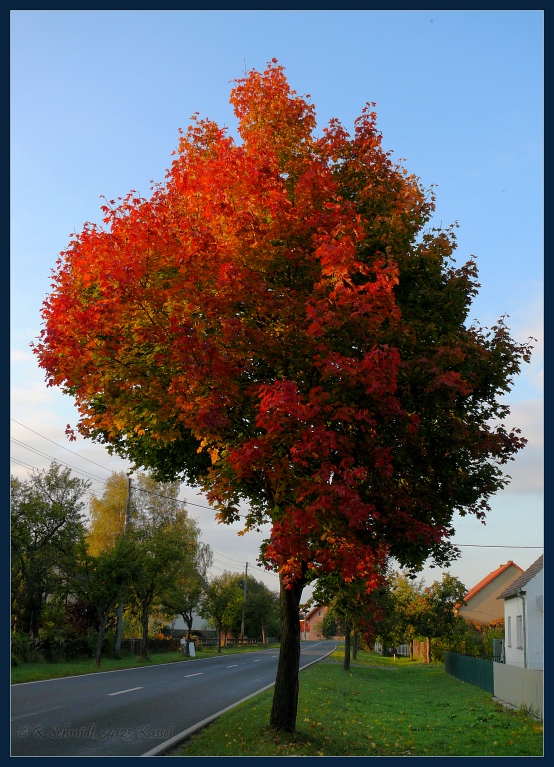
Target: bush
468,638
26,649
20,649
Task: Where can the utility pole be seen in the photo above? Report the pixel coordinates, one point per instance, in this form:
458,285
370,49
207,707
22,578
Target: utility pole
243,604
119,629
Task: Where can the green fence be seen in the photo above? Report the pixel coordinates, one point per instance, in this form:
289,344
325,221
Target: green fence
475,671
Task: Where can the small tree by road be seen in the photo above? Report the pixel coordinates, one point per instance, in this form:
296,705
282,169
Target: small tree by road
183,595
102,581
222,603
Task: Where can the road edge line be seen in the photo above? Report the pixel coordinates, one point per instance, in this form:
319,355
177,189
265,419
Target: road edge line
167,744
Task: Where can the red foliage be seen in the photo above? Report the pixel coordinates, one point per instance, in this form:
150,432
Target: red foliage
275,325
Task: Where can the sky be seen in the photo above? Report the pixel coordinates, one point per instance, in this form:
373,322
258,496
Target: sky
98,97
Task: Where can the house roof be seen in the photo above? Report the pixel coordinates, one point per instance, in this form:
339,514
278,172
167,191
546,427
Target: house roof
488,578
514,587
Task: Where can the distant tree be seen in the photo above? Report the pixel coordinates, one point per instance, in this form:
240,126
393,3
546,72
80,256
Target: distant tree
161,549
353,606
437,617
102,581
183,595
261,609
47,525
329,626
222,603
107,514
413,610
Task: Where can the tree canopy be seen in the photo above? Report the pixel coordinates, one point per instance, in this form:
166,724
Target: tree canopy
47,526
280,324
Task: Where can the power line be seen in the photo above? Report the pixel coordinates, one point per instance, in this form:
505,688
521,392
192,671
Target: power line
17,460
177,500
62,446
491,546
209,508
263,570
46,455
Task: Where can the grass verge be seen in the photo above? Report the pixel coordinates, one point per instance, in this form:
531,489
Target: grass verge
381,707
36,672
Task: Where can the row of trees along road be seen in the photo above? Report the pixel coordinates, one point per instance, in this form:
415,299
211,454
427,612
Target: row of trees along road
57,560
400,610
281,325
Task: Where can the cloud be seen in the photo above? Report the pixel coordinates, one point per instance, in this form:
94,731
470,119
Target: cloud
527,322
527,469
16,355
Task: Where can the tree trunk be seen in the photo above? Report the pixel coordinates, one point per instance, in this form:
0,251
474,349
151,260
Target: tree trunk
355,639
119,631
188,620
100,641
219,638
347,635
144,643
285,696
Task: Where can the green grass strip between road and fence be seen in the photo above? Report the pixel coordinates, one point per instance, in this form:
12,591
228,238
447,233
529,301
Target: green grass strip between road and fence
381,707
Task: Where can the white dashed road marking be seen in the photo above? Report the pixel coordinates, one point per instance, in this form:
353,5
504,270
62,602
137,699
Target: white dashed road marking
132,689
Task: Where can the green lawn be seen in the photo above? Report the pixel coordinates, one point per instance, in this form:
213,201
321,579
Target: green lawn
381,707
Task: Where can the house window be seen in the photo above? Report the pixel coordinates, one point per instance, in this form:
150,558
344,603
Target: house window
319,613
519,632
509,631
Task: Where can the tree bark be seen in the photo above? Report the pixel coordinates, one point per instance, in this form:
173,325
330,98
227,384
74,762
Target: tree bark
119,631
285,696
144,643
347,635
100,640
187,617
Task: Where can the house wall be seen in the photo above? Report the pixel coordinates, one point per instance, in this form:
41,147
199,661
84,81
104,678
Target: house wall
310,632
519,687
484,606
529,606
513,654
534,621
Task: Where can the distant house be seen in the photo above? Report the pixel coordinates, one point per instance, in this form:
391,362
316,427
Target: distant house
178,627
481,602
311,623
523,605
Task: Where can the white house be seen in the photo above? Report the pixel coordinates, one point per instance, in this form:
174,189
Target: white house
523,618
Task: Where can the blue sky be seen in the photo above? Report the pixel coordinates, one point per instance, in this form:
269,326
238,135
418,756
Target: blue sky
97,98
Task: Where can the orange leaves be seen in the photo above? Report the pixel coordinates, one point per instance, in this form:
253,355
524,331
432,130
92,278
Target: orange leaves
275,324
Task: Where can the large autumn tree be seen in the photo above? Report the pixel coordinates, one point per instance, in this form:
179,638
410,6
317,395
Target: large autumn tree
278,325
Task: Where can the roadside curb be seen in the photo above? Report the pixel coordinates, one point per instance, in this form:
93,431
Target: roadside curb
168,744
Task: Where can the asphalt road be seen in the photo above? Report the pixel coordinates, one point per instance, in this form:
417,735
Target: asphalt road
130,712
